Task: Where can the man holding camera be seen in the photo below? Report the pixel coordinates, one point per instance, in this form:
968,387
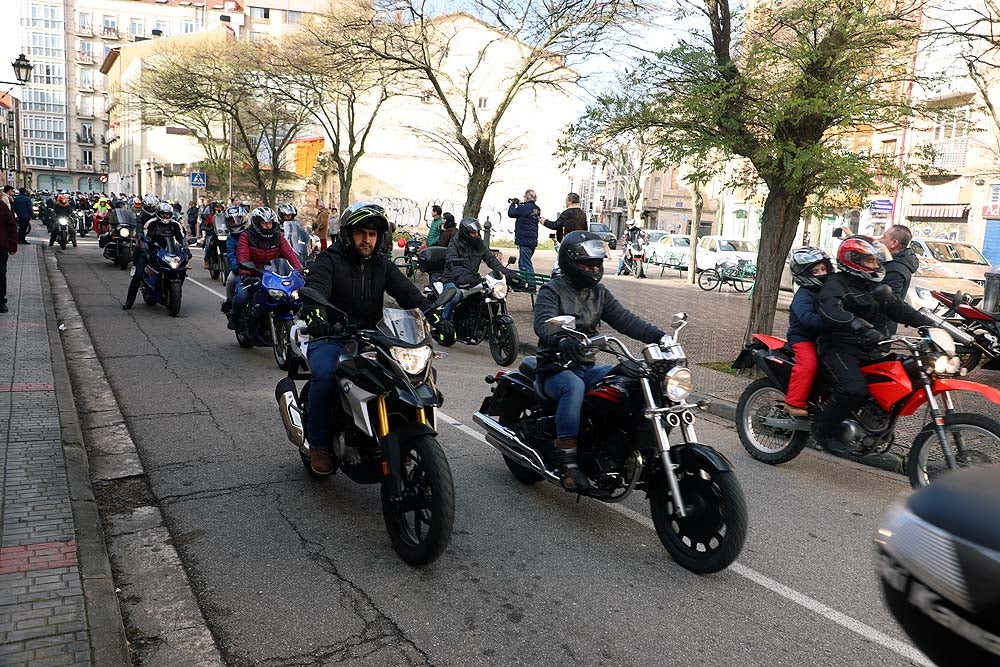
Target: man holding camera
526,217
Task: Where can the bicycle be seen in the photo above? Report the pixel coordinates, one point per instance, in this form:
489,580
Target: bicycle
741,274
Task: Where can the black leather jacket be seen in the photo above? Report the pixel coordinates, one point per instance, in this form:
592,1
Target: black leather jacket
463,259
590,307
846,304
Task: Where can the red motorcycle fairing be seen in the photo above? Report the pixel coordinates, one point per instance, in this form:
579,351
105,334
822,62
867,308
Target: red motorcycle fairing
942,385
771,342
887,393
974,313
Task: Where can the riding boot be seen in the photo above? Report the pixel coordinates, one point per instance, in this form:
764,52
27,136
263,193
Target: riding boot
133,289
573,478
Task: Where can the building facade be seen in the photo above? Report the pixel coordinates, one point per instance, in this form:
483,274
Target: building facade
10,145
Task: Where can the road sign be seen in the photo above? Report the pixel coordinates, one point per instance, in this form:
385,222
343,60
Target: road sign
103,178
880,205
198,179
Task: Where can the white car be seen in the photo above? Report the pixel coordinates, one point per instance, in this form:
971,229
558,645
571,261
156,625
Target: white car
713,250
962,258
671,249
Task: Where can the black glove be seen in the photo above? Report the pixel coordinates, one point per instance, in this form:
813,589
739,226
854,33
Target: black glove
513,277
443,330
316,323
873,336
247,280
572,350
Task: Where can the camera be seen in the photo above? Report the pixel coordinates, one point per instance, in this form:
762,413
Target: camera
513,200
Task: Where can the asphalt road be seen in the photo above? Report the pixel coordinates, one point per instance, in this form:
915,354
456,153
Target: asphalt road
293,571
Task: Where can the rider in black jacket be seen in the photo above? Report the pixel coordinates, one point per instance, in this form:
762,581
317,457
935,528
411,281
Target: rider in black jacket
155,232
566,368
355,278
466,252
62,208
857,321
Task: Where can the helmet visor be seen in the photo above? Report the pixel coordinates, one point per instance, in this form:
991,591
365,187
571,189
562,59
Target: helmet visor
591,249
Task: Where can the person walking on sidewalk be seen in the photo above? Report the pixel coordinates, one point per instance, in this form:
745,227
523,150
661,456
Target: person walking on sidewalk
8,247
22,211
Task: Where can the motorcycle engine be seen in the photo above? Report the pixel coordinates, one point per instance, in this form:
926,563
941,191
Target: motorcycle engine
868,428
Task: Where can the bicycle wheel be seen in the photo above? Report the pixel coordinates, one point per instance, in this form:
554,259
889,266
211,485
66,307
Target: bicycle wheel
742,283
709,279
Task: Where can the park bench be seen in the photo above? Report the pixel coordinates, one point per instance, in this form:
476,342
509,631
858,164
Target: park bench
530,283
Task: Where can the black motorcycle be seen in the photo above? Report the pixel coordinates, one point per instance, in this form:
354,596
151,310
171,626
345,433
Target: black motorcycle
411,249
696,501
63,231
386,424
215,242
119,243
82,221
482,313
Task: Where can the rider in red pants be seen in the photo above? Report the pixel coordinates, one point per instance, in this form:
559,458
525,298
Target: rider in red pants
810,267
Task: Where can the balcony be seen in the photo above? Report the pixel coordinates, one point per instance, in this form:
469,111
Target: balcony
110,32
84,58
84,112
84,30
85,138
950,154
85,86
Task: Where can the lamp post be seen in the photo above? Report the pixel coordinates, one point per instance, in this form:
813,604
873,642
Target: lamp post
52,176
104,173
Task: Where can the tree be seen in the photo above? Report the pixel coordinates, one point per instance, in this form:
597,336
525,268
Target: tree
528,46
786,89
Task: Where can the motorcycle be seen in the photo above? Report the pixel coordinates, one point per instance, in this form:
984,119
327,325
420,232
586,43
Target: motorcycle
387,415
411,248
635,256
119,243
696,502
981,325
164,276
926,368
82,222
481,314
63,232
215,242
270,312
102,222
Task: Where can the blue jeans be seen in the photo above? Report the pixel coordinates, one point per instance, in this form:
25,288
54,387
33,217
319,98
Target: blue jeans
567,388
524,264
450,308
241,299
324,357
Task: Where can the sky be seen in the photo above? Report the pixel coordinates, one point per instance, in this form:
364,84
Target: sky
10,44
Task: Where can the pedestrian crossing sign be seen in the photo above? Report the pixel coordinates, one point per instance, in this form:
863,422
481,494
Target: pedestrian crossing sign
198,179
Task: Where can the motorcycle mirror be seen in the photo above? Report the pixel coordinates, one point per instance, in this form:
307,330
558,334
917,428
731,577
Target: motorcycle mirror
882,293
554,325
511,261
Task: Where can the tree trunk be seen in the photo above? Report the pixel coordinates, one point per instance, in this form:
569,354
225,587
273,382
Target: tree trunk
782,210
475,192
699,204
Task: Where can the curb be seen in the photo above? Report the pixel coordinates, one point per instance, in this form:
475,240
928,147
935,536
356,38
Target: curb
155,590
108,643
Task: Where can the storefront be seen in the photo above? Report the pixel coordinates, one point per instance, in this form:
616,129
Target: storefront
991,241
939,221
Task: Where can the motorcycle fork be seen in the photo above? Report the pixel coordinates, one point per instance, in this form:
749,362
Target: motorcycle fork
942,435
653,413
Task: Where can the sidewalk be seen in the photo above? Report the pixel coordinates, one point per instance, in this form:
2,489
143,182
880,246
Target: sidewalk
57,601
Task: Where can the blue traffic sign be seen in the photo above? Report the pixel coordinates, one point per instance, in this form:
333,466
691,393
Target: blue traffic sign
198,179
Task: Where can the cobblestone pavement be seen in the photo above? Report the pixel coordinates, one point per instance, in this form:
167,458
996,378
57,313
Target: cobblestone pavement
43,620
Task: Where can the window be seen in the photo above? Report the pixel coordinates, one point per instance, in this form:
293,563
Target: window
187,26
257,36
46,45
889,148
85,105
86,77
162,27
951,123
994,193
137,28
48,74
110,26
50,101
260,13
87,130
37,15
88,158
39,154
292,16
482,102
44,127
84,20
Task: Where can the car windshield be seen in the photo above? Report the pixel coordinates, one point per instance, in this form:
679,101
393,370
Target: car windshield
655,236
408,326
944,251
736,245
929,268
681,242
599,229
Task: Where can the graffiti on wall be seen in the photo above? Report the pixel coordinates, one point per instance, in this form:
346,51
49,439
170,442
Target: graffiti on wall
410,214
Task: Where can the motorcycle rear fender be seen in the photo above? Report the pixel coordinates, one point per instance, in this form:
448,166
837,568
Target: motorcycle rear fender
942,385
393,443
513,386
771,342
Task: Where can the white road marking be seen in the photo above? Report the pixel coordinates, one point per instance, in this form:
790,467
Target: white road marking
865,631
206,288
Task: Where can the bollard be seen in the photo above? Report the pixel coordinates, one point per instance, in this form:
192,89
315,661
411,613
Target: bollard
992,293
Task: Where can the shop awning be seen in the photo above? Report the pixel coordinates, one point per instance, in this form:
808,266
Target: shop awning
937,211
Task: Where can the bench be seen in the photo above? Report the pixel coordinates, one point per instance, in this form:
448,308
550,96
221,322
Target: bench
674,261
530,282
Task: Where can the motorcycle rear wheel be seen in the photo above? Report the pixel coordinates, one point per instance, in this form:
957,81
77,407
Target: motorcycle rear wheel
709,279
926,461
419,520
773,446
711,537
504,343
174,299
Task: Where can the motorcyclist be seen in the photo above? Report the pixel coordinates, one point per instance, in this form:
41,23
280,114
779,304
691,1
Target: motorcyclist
294,232
635,235
155,232
261,243
150,209
236,223
354,277
856,322
62,208
566,368
465,253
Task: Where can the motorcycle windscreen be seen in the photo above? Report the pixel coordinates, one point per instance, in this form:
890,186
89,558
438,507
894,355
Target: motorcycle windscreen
281,267
408,326
219,222
171,246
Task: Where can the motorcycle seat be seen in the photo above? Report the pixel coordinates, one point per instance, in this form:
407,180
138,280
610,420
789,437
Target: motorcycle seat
528,367
964,505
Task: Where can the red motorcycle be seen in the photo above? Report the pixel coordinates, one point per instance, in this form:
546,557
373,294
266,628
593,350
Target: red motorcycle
982,326
102,222
924,369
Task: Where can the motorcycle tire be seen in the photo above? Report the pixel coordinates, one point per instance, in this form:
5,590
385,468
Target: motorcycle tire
123,262
214,273
523,474
709,279
970,357
410,271
428,494
783,452
711,537
174,299
62,244
280,347
926,448
504,343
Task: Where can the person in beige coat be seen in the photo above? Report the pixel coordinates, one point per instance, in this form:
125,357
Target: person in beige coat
321,225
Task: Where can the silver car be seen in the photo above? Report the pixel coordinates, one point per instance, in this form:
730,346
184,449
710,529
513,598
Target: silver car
962,258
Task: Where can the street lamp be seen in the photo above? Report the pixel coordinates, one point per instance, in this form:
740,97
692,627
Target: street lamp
52,176
22,71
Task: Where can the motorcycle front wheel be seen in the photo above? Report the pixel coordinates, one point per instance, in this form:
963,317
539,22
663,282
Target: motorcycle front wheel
174,299
279,346
974,439
766,443
709,279
419,519
62,242
504,343
123,261
711,536
213,268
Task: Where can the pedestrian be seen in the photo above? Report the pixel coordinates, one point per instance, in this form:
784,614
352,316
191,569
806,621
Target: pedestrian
8,247
526,216
334,225
8,196
22,209
572,218
192,216
448,230
898,270
321,226
434,228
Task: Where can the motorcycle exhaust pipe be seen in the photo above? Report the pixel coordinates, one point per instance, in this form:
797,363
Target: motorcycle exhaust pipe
291,415
507,443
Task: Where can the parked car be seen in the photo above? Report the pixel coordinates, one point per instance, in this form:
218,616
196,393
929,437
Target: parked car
962,258
941,276
672,249
713,250
605,233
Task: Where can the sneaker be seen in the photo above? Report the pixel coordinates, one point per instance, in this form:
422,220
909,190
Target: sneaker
226,306
320,462
796,412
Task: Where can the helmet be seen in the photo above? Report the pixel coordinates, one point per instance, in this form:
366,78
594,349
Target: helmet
802,262
630,224
62,200
855,256
136,203
287,210
363,215
258,216
165,212
150,204
217,206
236,219
467,226
581,259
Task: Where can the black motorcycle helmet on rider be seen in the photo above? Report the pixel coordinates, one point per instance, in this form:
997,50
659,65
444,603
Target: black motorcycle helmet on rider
363,215
287,212
150,204
581,259
470,230
263,226
802,262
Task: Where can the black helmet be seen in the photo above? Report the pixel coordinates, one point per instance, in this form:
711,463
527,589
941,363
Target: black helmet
581,259
288,210
363,215
802,262
467,226
256,229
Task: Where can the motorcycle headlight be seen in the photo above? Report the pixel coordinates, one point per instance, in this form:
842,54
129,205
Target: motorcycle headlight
173,261
413,360
678,384
499,291
295,295
124,232
945,365
276,294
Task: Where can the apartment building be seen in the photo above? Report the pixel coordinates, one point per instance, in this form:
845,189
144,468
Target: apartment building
10,156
